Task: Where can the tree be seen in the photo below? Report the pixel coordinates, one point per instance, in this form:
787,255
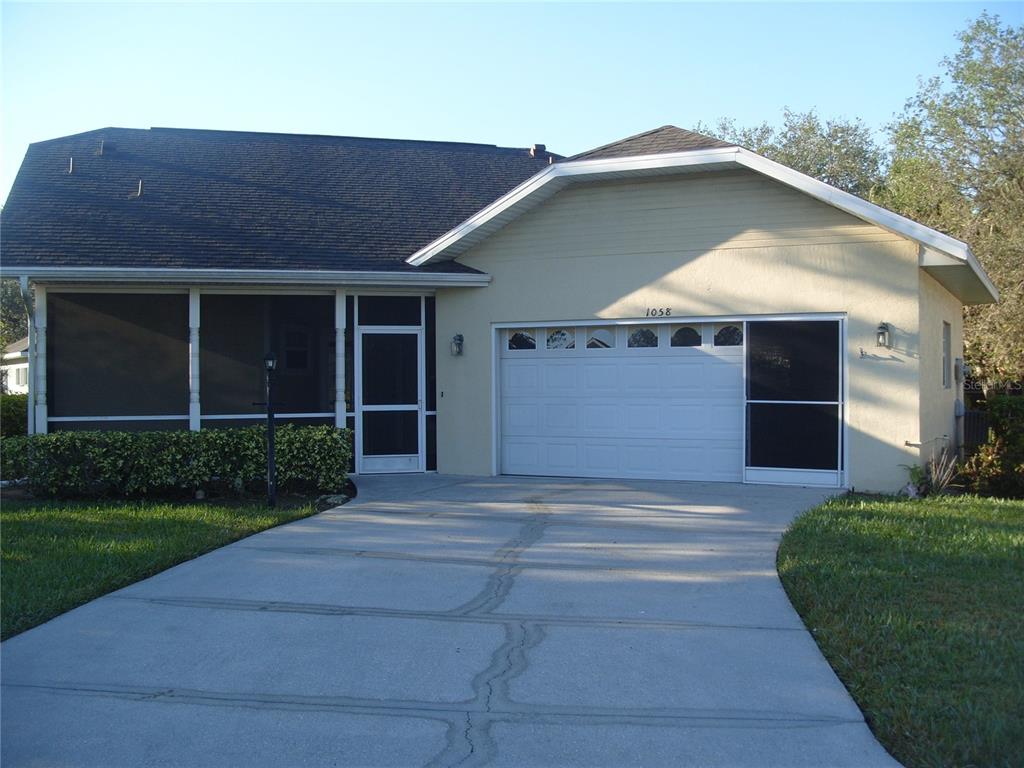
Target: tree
958,166
13,317
842,153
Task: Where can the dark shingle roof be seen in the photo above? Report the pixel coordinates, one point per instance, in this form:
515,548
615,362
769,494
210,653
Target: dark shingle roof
668,138
225,199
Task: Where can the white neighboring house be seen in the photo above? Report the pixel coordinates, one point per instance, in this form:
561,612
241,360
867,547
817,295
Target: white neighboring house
15,367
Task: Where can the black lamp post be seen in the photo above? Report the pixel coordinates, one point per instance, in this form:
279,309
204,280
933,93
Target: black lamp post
269,364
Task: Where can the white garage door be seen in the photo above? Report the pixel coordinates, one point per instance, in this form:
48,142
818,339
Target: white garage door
644,401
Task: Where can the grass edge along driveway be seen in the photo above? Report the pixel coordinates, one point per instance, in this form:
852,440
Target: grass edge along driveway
919,607
57,555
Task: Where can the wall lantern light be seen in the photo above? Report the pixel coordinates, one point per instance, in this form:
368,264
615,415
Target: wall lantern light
270,361
457,344
883,335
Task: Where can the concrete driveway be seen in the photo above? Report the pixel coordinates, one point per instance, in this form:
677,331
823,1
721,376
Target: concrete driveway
442,621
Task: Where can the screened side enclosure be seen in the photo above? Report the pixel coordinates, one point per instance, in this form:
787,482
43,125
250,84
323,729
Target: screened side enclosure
793,395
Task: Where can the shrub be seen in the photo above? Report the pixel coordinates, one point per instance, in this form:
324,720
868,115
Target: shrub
13,415
140,464
997,467
14,458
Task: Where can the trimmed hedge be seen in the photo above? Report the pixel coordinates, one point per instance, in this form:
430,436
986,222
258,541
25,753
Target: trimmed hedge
13,415
997,467
141,464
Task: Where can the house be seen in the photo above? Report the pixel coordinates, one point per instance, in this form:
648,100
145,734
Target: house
14,370
665,306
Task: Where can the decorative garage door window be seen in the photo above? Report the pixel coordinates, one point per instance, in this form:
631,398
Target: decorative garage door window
600,338
686,335
794,403
522,339
561,338
644,336
728,335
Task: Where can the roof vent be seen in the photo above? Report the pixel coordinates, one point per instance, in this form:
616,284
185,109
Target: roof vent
138,194
100,150
538,150
71,165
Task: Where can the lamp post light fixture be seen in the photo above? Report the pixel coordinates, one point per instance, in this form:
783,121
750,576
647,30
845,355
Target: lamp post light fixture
269,365
883,335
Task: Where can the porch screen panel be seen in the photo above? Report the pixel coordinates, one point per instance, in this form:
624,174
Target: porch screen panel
232,342
236,331
794,407
117,354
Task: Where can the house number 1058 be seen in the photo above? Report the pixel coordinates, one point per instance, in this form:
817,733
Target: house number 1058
659,312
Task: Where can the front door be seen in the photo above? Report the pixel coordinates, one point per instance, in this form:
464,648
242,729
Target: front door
389,401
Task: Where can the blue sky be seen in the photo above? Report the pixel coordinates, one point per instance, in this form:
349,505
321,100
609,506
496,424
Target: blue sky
571,76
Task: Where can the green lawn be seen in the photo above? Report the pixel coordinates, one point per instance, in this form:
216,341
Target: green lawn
57,555
919,607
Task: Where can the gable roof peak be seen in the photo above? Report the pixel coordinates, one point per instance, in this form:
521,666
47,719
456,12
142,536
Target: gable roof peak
667,138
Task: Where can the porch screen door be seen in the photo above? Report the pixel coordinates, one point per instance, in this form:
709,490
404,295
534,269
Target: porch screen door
390,401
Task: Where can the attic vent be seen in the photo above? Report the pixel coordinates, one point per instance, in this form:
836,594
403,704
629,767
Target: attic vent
538,150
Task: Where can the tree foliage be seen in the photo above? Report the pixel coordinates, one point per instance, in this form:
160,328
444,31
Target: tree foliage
958,166
13,318
843,153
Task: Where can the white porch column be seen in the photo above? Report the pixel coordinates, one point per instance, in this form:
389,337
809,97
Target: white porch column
30,411
339,358
39,373
193,359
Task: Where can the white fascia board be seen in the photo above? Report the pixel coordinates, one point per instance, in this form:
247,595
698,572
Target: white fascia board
539,187
247,276
559,175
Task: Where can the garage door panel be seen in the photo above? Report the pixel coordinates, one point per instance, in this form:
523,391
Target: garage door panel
561,417
521,456
521,418
643,418
601,418
689,420
688,377
560,377
640,377
561,457
600,459
600,379
521,377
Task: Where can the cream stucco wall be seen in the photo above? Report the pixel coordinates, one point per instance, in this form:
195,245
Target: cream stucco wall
709,244
938,403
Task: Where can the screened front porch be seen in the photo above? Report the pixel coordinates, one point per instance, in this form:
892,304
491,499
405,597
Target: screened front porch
192,358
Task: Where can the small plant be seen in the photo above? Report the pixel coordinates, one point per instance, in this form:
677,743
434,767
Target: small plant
937,476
